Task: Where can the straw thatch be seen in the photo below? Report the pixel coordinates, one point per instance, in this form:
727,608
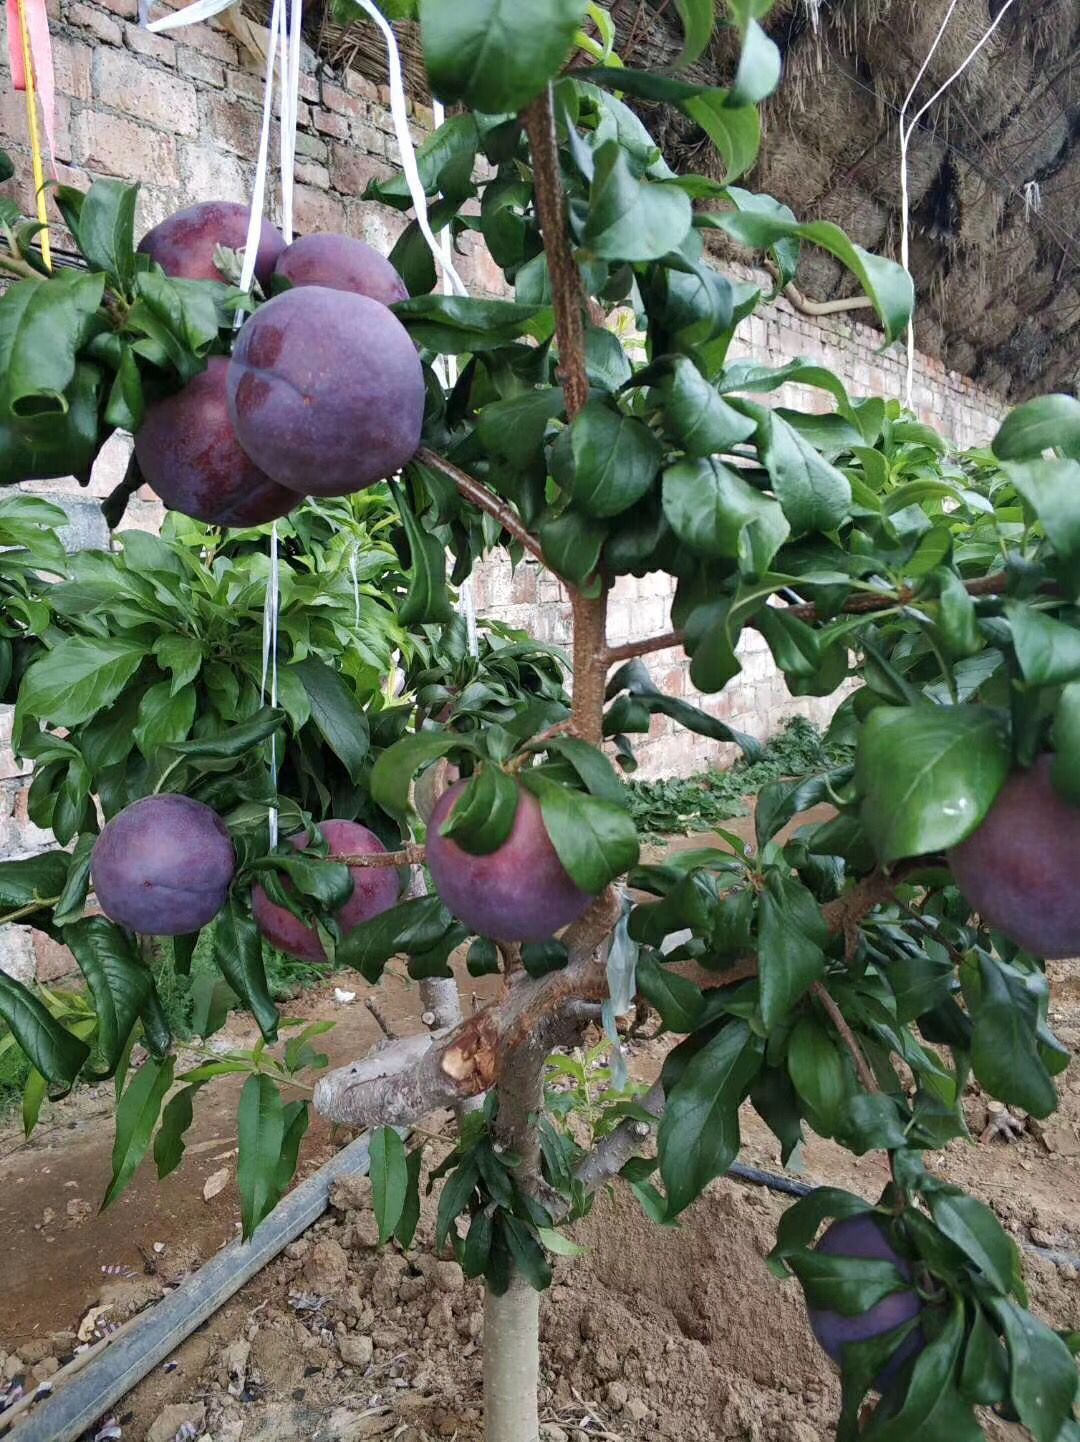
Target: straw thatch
994,169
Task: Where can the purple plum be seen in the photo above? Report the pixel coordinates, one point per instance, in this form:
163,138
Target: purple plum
326,391
188,452
163,866
521,892
184,244
341,262
864,1236
375,889
1020,869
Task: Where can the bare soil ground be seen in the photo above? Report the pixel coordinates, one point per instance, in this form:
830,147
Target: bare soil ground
652,1334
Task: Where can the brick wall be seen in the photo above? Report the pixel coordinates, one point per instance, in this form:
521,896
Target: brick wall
181,115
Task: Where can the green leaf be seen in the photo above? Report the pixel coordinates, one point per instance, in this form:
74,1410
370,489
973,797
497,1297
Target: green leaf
43,326
33,878
164,718
336,713
699,1133
631,219
175,1120
527,1252
427,601
48,1046
410,1211
106,230
483,957
178,317
791,935
679,1002
136,1117
1037,426
389,1180
759,68
412,926
957,623
800,1223
126,405
7,169
1052,490
1042,1373
736,132
1048,651
295,1119
119,982
1066,765
696,414
238,954
35,1091
884,282
457,1192
928,775
615,460
979,1235
238,740
394,768
483,815
596,841
774,1099
182,656
59,438
1004,1051
931,1408
455,325
514,428
817,1071
495,55
557,1244
260,1122
73,897
848,1285
594,768
572,544
717,514
79,677
815,496
697,19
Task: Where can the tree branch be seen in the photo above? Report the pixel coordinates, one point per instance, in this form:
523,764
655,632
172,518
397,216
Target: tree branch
483,498
410,855
627,650
847,1036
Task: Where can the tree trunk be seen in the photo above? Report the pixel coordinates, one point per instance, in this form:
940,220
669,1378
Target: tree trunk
512,1321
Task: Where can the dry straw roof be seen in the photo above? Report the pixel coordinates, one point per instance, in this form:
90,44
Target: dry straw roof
994,168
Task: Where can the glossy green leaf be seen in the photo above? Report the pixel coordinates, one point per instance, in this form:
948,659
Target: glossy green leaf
514,427
119,981
1052,490
791,936
848,1285
238,740
427,601
457,324
978,1233
1048,651
1066,764
928,775
238,954
80,676
1042,1372
164,718
175,1119
136,1117
759,68
699,1133
33,878
596,841
260,1122
394,769
180,655
885,283
815,496
409,1219
43,326
594,768
679,1002
615,460
703,423
494,55
697,18
572,544
48,1046
632,219
931,1407
817,1072
73,897
1004,1050
106,230
483,816
389,1180
412,926
718,514
336,713
295,1118
1045,423
126,405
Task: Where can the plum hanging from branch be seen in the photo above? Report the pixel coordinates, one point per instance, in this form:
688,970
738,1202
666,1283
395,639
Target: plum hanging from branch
188,452
326,391
184,244
163,866
375,890
341,262
1020,869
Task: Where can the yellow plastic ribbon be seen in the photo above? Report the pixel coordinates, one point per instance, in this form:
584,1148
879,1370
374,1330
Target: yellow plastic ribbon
35,137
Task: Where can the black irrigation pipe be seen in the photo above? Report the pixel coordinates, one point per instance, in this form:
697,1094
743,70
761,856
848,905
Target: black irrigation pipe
77,1405
791,1188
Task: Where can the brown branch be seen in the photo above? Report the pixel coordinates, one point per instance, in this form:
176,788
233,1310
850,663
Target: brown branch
484,498
567,291
865,603
410,855
847,1036
802,303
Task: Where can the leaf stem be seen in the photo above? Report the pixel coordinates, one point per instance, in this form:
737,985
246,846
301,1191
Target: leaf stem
847,1036
28,909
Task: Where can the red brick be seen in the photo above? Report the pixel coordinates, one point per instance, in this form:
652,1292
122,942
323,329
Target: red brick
52,961
315,210
339,101
212,41
351,171
200,67
71,63
112,145
357,84
128,84
310,172
89,17
233,125
328,123
129,9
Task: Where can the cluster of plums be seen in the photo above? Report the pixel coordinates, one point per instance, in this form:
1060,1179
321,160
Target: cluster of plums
164,866
323,393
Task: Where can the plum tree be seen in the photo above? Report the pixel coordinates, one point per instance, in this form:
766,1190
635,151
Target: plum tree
520,891
184,243
163,866
326,391
375,889
188,452
341,262
1019,869
864,1237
